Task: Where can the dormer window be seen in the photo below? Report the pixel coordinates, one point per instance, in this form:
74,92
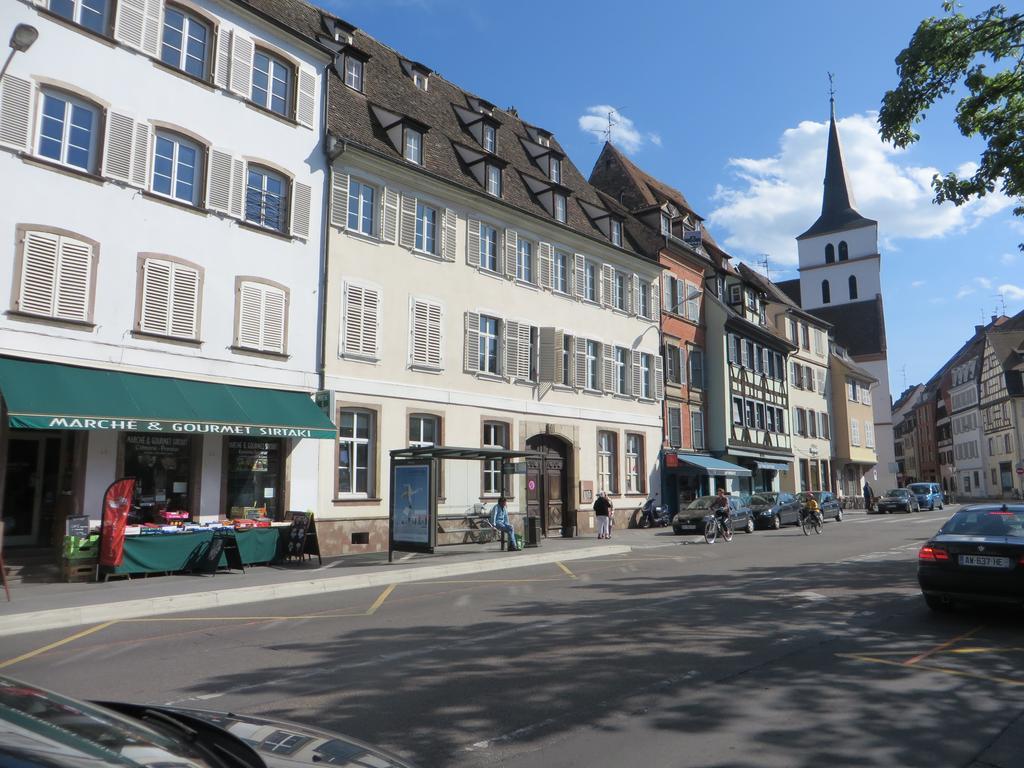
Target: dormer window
413,145
559,207
420,80
666,224
544,141
555,169
490,138
616,232
354,73
493,180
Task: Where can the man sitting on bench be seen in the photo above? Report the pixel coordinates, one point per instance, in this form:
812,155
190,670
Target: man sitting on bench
499,519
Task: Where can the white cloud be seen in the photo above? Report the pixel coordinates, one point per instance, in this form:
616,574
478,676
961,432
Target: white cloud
1008,258
623,132
917,283
773,199
1012,292
964,291
984,282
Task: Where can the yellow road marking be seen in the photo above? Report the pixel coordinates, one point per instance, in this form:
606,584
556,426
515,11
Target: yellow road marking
145,619
380,600
997,649
51,646
569,573
486,581
941,647
930,668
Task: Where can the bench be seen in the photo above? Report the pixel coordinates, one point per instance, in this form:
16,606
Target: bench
479,528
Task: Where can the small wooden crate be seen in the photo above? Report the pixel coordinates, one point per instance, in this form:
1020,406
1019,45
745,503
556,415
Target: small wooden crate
79,570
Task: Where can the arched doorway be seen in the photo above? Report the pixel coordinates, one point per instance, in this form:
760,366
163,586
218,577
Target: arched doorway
547,482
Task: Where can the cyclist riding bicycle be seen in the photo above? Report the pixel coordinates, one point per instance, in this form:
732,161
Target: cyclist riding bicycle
811,506
720,506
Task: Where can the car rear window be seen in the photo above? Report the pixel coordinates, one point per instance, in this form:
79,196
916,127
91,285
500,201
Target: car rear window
921,488
986,523
760,501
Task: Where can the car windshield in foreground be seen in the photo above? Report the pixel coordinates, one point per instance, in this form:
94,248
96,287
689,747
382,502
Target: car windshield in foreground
921,488
898,493
986,522
36,716
761,501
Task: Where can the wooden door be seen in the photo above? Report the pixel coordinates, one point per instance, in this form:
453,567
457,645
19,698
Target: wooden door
554,492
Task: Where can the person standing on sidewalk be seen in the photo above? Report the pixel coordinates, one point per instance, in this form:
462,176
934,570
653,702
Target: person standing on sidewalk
499,519
868,495
603,511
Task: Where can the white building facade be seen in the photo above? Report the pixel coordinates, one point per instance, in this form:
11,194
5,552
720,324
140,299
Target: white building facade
968,447
163,213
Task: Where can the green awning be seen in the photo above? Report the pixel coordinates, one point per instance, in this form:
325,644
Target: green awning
55,396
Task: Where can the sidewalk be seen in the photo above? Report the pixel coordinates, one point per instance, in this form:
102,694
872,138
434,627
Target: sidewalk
41,606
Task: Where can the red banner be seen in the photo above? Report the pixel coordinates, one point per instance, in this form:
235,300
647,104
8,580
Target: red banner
117,501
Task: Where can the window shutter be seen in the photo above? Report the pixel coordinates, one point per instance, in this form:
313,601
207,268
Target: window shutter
581,362
137,24
634,294
305,100
550,368
659,378
140,156
74,280
184,301
389,216
119,147
607,283
448,247
473,243
471,350
511,343
237,187
666,289
525,351
222,59
218,181
637,374
580,276
301,201
250,320
242,49
407,238
274,319
544,264
426,333
339,199
156,296
15,112
39,273
511,246
608,368
362,316
681,361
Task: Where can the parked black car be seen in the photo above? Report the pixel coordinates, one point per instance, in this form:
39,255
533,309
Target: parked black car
773,510
898,500
977,556
829,505
691,520
43,729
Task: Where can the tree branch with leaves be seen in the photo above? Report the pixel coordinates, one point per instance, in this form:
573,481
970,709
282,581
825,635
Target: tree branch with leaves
984,55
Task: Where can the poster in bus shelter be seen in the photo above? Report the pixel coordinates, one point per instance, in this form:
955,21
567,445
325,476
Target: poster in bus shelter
412,507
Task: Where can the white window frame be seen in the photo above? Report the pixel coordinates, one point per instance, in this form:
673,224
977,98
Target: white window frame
489,138
426,238
560,272
607,474
616,232
489,335
646,376
620,291
70,103
189,21
555,169
421,420
357,197
643,308
623,359
412,145
495,435
488,258
559,207
354,71
697,429
493,179
634,463
275,67
590,281
524,261
593,365
284,200
178,141
352,441
76,15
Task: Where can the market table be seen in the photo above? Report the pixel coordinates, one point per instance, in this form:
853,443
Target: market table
172,552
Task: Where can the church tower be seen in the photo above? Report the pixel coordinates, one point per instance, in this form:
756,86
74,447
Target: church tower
841,282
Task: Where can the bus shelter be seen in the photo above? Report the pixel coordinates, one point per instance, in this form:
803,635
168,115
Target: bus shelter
415,473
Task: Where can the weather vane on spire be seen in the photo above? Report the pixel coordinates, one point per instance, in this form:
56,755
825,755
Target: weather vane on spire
611,124
831,88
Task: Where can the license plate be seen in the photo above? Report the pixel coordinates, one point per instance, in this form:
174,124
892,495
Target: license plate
985,561
687,527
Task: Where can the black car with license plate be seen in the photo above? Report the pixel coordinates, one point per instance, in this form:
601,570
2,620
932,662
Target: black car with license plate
828,504
977,556
898,500
43,729
774,510
691,519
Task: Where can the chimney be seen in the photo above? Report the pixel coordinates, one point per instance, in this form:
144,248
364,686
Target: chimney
979,329
994,318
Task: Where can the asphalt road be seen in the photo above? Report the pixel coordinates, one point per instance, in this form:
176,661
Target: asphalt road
773,650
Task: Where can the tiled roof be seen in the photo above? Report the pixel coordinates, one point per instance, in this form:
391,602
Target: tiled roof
791,288
774,291
855,369
859,327
300,17
447,142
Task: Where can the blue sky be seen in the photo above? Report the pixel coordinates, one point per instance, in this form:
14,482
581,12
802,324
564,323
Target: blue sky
728,102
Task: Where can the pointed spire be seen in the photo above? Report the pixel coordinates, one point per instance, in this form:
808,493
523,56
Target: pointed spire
837,205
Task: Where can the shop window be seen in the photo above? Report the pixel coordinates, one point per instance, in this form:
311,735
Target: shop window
161,466
254,476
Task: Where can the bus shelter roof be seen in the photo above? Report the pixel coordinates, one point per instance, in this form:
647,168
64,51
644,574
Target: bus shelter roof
466,454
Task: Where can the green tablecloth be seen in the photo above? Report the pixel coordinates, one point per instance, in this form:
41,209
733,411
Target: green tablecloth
162,553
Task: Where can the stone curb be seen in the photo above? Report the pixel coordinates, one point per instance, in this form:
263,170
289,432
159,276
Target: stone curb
74,616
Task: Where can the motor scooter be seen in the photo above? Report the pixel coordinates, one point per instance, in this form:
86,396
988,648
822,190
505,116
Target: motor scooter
653,515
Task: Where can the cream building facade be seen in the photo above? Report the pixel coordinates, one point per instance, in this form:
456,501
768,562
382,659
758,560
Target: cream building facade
479,293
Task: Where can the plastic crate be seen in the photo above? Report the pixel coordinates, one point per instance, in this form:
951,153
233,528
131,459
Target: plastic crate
76,549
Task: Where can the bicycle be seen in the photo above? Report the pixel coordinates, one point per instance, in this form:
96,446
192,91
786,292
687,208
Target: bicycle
716,525
809,520
481,530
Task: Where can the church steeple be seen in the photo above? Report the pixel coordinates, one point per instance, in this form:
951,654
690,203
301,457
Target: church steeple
837,211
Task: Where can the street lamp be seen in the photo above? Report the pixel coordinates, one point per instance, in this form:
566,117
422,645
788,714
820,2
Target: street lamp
21,40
